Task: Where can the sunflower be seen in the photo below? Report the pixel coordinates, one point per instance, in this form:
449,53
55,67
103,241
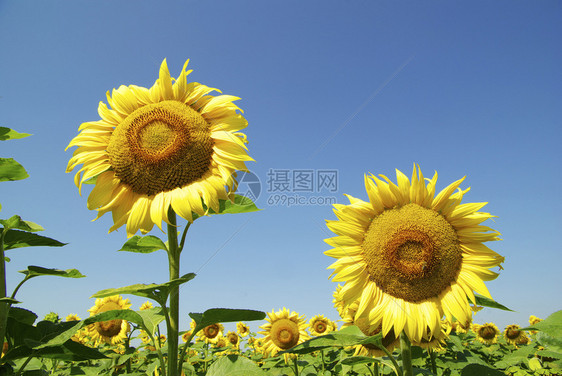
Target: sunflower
113,331
170,146
320,325
514,335
534,320
211,333
145,305
242,329
486,333
409,257
233,339
72,317
284,330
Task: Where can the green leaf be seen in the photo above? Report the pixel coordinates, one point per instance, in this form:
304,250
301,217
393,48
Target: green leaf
221,315
480,370
552,325
118,314
152,317
352,360
349,336
9,301
153,291
10,134
234,365
36,271
19,239
143,244
11,170
22,315
241,204
487,302
17,223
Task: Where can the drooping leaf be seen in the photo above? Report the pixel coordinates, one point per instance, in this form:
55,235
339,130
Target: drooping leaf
9,301
17,223
118,314
20,239
11,170
10,134
223,315
22,315
143,244
152,317
487,302
36,271
349,336
234,365
157,292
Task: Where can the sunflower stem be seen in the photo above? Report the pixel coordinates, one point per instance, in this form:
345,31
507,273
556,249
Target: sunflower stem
174,267
406,348
376,368
4,307
432,359
296,364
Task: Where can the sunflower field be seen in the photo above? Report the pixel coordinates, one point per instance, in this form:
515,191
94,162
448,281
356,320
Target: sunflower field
410,263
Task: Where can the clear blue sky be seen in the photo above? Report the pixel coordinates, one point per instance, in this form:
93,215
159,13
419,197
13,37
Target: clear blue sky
464,88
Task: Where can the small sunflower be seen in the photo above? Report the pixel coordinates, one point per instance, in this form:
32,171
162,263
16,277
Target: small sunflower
242,329
411,257
486,333
211,333
114,331
233,339
284,330
145,305
514,335
72,317
320,325
534,320
172,145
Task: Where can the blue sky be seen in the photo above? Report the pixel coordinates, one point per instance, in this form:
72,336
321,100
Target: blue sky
354,86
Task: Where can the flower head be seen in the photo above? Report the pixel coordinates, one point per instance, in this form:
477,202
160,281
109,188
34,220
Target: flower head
112,331
171,146
410,257
284,330
486,333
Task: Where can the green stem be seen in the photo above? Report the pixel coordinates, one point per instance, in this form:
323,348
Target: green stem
323,362
296,364
406,348
4,307
397,369
376,368
432,359
174,267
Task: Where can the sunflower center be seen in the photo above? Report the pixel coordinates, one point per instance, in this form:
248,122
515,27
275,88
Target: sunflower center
284,333
211,331
411,252
233,339
487,332
512,333
319,327
160,147
109,328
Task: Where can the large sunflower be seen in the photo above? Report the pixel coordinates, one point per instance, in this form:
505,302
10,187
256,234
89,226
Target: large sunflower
172,145
409,257
114,331
284,330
